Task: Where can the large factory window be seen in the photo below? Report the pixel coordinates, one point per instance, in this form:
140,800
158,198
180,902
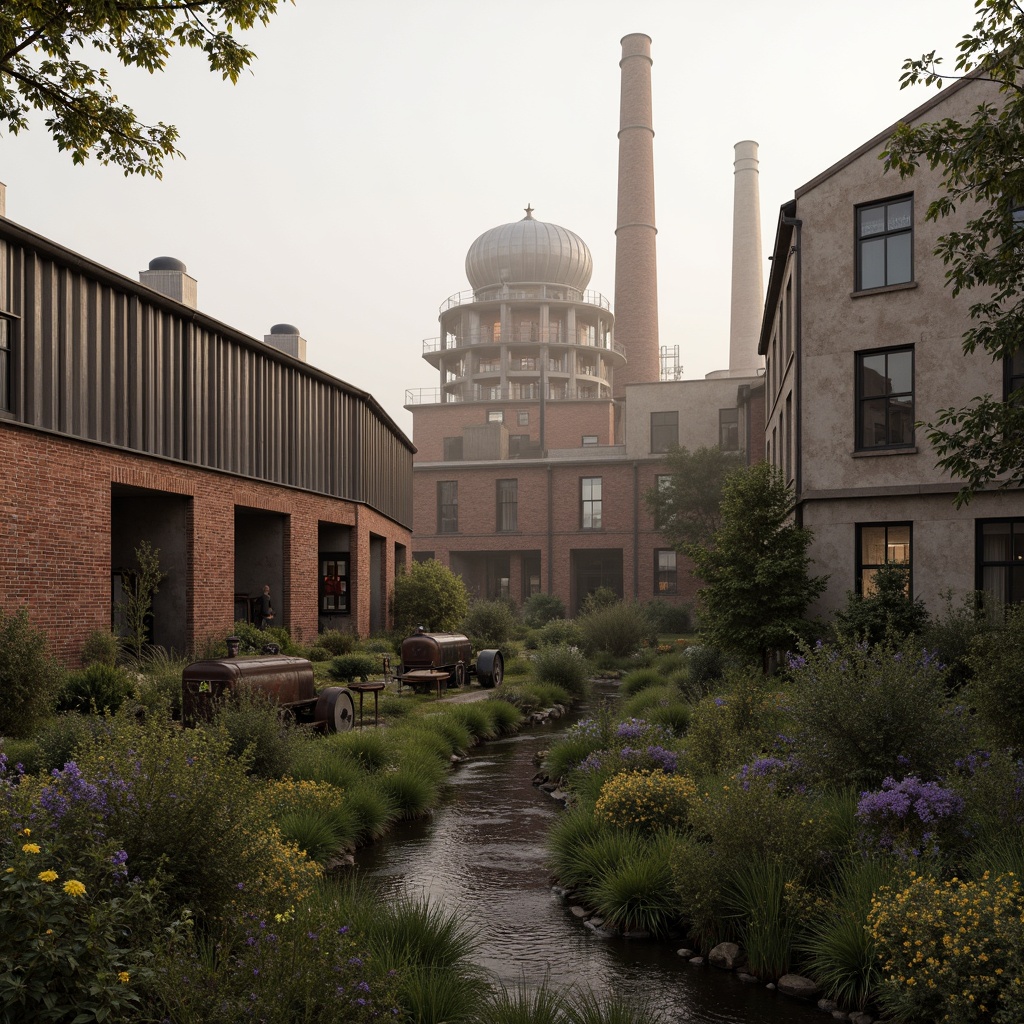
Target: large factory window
508,506
448,506
664,431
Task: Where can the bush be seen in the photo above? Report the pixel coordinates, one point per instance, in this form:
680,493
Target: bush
60,738
253,639
603,597
957,632
559,632
101,647
257,733
539,609
639,679
337,642
563,666
347,668
98,688
888,612
911,818
489,623
318,653
645,801
29,678
636,895
668,618
619,630
996,692
429,594
706,666
863,714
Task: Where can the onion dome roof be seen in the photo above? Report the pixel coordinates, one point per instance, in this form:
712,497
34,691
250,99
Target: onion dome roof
529,251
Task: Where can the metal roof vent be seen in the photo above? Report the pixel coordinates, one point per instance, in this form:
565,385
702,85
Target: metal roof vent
168,276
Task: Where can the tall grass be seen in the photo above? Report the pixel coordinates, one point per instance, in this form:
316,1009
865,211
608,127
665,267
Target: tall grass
475,718
374,809
640,679
505,717
635,894
755,895
524,1005
367,748
586,1007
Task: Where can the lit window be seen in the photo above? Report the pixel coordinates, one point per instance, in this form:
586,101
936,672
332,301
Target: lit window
448,506
590,501
664,431
590,438
508,505
885,237
495,416
885,398
665,571
1000,559
879,545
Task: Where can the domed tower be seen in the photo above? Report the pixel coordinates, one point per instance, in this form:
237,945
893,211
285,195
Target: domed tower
528,331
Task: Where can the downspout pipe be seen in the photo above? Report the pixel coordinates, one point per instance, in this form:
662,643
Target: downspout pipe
798,224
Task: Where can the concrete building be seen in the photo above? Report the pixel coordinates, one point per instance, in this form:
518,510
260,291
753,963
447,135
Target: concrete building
550,419
127,415
862,340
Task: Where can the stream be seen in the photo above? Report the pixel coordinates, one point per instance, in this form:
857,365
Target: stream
481,856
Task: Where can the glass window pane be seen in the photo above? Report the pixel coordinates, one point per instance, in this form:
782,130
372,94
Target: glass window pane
1016,583
898,544
994,581
901,371
873,379
899,215
901,421
867,582
898,267
872,545
995,542
872,426
872,263
872,220
1018,542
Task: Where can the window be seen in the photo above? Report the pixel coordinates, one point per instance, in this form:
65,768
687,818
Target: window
1000,559
1013,369
518,445
590,439
885,398
495,416
664,431
523,417
663,482
453,449
729,430
508,506
590,502
885,236
334,583
879,545
448,506
664,571
6,401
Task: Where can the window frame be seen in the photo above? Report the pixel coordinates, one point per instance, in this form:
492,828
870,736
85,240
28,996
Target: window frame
1010,594
1013,373
666,579
733,423
886,234
506,498
860,565
591,503
861,399
665,432
495,416
7,340
448,510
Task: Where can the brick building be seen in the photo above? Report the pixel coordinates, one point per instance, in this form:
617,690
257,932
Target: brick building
126,415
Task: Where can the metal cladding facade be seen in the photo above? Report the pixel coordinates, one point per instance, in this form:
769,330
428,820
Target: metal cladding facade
747,273
636,265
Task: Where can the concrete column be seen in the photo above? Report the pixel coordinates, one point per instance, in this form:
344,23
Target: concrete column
747,268
636,269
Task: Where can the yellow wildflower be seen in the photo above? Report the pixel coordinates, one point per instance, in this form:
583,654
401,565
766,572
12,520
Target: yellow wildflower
124,977
30,848
74,888
47,876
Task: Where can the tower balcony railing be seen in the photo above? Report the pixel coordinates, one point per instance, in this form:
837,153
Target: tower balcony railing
527,292
522,335
506,393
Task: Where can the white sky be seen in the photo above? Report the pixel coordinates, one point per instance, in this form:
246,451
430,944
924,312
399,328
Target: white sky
339,186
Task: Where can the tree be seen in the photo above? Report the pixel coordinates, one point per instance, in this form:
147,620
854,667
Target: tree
429,595
42,43
141,585
887,612
686,506
755,571
980,159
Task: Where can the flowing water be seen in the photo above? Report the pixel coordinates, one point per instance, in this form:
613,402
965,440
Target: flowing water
481,855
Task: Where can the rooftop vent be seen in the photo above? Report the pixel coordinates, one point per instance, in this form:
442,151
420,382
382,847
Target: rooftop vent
168,276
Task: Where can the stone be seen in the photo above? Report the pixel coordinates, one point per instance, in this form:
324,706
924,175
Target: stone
828,1005
797,986
638,933
861,1018
697,961
686,954
577,912
747,979
840,1015
726,955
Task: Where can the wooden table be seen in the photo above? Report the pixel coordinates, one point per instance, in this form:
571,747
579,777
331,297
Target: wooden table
426,675
362,688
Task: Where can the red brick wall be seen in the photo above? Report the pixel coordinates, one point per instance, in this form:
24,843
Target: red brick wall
55,510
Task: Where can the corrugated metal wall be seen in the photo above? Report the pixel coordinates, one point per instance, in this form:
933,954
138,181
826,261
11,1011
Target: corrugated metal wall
95,359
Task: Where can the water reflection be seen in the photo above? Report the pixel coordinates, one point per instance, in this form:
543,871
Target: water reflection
481,855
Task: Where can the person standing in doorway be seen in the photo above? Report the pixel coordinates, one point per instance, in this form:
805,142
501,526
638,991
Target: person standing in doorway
264,609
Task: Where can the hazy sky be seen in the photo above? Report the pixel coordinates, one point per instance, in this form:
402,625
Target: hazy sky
339,186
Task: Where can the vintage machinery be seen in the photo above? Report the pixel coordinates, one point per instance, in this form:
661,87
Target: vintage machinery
449,652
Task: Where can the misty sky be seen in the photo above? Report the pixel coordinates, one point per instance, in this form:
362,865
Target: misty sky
339,186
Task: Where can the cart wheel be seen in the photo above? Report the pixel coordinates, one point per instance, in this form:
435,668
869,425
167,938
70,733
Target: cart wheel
335,710
490,668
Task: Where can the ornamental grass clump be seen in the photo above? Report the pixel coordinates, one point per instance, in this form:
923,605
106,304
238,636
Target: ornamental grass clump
564,666
640,679
646,801
755,896
912,819
636,894
951,951
316,816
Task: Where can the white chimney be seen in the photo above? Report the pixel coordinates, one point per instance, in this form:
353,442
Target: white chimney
168,276
747,270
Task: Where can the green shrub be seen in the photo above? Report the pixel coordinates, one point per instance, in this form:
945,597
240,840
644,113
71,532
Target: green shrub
60,738
662,705
347,668
636,894
475,718
558,633
29,678
257,732
516,667
996,691
862,714
411,792
563,666
639,679
98,688
318,653
957,631
668,618
377,645
429,594
889,612
337,642
101,647
706,666
505,718
596,600
619,629
158,687
489,623
539,609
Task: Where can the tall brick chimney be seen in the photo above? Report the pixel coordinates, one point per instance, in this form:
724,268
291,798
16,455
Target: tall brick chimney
747,268
636,265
